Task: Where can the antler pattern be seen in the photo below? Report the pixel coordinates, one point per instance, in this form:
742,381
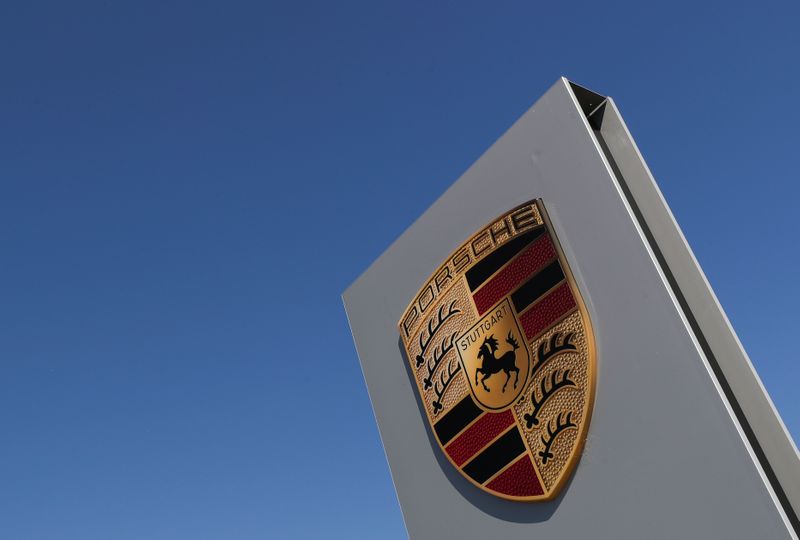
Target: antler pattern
438,355
556,384
548,350
445,378
434,325
561,426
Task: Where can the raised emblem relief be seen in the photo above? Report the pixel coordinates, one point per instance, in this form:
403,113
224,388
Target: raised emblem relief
502,353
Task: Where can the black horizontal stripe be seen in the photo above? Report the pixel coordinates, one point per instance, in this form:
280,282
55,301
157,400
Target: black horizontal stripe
497,258
456,419
547,278
499,454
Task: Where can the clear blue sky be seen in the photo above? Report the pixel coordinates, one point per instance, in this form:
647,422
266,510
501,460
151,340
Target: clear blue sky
186,188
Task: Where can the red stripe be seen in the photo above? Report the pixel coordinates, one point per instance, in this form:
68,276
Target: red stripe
518,270
519,480
478,435
547,311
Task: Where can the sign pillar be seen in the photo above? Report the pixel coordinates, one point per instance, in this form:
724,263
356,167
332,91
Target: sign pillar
546,359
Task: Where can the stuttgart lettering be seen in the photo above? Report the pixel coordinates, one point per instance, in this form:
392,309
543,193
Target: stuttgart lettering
483,328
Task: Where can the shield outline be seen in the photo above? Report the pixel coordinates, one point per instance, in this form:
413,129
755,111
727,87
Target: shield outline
525,346
588,408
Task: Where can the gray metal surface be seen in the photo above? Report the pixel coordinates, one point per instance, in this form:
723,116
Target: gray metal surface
665,455
734,369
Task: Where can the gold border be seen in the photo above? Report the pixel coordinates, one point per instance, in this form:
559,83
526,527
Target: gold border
580,442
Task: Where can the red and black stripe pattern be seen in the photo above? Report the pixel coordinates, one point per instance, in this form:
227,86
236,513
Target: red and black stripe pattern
504,304
528,270
488,447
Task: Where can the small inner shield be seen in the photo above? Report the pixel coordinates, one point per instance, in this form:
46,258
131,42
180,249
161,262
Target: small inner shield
494,355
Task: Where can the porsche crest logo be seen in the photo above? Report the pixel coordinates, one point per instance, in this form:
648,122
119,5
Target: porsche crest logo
501,348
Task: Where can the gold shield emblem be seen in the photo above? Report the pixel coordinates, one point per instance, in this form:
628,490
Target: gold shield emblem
502,352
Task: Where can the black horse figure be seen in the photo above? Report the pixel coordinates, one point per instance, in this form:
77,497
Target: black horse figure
492,364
